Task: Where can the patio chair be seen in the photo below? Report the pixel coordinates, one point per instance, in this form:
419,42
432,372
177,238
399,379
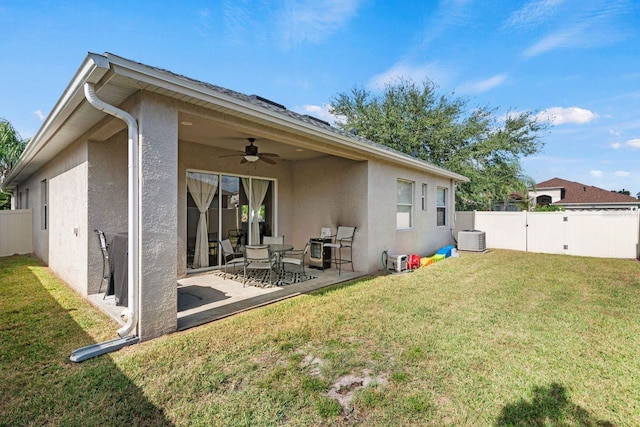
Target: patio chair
273,240
230,258
258,257
325,233
295,258
343,240
236,237
104,248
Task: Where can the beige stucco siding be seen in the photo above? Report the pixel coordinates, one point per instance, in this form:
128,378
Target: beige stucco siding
158,165
424,238
329,192
63,244
107,183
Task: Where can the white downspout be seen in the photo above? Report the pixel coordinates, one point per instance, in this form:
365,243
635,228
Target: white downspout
133,205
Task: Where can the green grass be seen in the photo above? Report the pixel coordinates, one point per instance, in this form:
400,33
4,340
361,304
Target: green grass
503,338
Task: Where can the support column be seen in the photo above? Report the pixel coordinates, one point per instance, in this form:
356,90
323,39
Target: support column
158,127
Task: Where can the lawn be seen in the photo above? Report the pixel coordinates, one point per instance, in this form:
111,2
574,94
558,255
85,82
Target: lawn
502,338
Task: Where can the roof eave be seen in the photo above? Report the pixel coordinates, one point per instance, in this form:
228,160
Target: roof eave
92,69
184,85
95,66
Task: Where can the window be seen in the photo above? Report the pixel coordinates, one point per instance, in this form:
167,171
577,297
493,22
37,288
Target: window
44,197
441,207
26,198
424,197
404,218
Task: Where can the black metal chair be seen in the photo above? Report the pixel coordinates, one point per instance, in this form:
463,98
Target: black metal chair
104,248
343,240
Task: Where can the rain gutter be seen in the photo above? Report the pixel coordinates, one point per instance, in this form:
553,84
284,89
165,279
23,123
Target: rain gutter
133,232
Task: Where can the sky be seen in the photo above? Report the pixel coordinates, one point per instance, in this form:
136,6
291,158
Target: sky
573,63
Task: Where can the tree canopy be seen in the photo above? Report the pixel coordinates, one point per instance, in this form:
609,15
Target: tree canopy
416,120
11,147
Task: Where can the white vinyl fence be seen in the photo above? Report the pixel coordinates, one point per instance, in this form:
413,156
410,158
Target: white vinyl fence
605,234
16,232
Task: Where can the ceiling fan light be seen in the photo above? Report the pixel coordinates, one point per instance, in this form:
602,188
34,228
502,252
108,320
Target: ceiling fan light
251,158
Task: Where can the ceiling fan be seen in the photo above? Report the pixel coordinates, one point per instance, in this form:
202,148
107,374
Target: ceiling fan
251,154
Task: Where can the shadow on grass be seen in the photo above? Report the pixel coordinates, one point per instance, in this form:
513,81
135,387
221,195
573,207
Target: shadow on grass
550,406
39,385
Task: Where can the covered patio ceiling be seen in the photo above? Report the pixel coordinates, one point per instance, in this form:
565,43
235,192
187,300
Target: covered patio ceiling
201,130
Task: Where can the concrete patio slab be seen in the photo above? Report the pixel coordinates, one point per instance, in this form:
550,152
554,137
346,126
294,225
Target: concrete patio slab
206,297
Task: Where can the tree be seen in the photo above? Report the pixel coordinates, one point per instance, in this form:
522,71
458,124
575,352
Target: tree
443,131
623,191
11,147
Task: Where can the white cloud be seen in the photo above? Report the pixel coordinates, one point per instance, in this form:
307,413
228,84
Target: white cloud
621,174
615,145
321,112
572,115
313,21
573,23
633,143
483,85
533,13
288,23
565,38
596,173
614,132
415,73
39,114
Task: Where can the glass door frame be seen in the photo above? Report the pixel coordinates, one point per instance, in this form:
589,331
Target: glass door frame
274,220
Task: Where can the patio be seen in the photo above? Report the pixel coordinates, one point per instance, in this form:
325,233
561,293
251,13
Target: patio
206,297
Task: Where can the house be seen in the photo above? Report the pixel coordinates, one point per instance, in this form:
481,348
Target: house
130,147
575,196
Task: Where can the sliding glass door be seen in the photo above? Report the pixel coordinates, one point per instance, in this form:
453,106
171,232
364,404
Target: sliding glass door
241,209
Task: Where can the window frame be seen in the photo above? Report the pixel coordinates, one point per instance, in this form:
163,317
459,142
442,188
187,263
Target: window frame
425,191
44,197
400,204
441,207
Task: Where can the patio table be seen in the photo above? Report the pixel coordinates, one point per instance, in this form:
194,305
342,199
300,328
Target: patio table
279,250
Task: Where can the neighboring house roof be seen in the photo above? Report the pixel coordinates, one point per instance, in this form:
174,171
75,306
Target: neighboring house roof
120,78
575,193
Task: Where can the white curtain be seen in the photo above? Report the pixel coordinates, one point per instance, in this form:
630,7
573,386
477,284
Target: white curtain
203,188
257,193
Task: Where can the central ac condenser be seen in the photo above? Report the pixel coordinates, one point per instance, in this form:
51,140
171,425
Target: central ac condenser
472,240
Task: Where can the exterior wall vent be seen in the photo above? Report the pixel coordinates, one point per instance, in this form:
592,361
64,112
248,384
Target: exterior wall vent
268,101
315,119
472,240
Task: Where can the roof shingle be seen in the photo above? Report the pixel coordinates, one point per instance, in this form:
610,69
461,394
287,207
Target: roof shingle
575,192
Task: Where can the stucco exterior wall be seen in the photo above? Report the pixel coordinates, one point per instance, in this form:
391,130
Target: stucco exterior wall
107,198
158,164
331,191
63,244
425,237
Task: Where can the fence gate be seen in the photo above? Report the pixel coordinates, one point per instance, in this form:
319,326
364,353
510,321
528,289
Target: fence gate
16,231
607,234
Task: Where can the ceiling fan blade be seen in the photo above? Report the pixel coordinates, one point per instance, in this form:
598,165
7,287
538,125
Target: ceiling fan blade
267,160
269,154
243,160
232,155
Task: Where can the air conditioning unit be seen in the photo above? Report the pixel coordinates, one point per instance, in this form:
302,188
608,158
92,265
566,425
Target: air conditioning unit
397,262
472,240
